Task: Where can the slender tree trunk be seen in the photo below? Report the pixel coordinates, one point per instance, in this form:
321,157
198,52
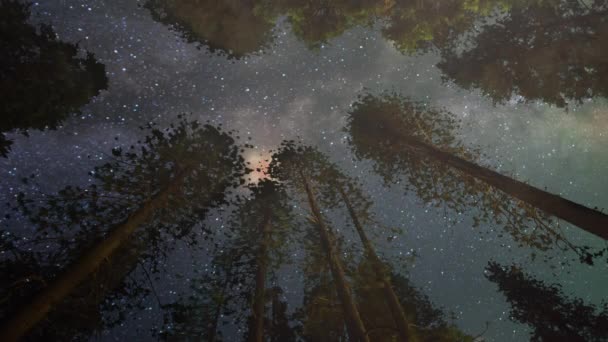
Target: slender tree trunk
212,332
28,316
260,281
593,221
275,312
379,268
354,324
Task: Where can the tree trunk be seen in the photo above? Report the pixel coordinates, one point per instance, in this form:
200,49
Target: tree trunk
593,221
379,268
27,317
260,281
354,324
212,331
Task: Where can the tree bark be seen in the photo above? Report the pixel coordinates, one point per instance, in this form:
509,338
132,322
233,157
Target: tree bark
260,281
593,221
389,293
28,316
354,324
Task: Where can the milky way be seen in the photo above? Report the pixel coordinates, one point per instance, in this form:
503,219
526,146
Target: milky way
292,92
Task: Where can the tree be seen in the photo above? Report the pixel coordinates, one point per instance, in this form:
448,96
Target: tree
417,26
331,303
346,190
255,246
321,316
167,183
240,29
198,315
545,51
412,26
425,321
231,27
316,22
42,80
546,309
411,140
298,166
264,224
377,296
279,329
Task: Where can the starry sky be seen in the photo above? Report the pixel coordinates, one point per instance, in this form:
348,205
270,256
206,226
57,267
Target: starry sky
291,92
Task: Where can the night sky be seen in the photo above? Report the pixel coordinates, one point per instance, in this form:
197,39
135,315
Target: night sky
292,92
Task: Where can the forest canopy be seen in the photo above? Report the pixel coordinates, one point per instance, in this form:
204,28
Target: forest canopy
42,80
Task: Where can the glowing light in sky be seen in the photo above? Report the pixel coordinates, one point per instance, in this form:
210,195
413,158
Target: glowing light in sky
258,161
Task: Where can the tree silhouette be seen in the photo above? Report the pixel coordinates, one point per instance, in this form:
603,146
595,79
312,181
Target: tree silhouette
165,184
299,166
321,318
373,298
243,28
546,309
231,26
546,51
265,221
42,80
255,247
418,26
198,315
316,22
377,295
425,321
345,190
279,328
412,26
410,140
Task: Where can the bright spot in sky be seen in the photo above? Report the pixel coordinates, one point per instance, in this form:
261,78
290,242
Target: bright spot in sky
258,161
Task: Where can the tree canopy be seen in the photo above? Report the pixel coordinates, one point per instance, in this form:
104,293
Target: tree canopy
547,51
162,188
42,80
413,142
231,27
545,308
